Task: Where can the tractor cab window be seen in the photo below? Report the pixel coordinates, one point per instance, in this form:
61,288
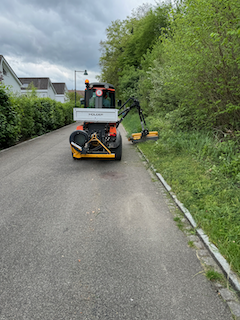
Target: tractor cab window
92,100
106,100
99,98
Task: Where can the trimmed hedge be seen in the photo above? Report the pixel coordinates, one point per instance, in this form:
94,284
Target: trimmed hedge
9,120
24,117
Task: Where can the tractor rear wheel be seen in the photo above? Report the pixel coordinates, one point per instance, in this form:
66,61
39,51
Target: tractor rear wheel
118,151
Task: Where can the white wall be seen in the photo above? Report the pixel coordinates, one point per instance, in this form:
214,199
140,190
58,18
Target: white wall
47,93
8,78
60,98
43,93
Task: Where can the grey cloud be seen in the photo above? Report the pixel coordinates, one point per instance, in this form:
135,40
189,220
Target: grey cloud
52,35
60,32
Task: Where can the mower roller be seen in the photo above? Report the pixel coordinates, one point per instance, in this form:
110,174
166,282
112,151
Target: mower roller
98,135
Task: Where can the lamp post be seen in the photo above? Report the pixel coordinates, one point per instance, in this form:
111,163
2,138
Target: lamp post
75,72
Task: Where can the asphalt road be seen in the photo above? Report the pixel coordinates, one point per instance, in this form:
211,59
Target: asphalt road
92,239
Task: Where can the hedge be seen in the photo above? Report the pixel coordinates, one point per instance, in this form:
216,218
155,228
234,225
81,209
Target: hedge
23,117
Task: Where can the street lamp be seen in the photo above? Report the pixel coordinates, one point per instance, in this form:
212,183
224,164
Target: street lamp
85,73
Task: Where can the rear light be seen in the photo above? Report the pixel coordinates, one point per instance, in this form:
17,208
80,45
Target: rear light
112,131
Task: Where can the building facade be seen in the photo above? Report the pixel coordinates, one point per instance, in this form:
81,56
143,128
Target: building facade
61,90
8,76
44,87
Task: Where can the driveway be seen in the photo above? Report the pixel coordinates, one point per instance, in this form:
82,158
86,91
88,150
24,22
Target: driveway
93,239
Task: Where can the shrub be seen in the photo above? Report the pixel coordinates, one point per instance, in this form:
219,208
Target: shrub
9,120
24,117
26,111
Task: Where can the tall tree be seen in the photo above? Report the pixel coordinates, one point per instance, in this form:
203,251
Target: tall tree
127,43
111,50
202,62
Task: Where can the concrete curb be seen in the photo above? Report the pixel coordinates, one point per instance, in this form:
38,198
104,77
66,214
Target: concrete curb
221,261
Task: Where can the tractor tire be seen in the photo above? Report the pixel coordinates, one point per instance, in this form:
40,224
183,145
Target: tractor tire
118,151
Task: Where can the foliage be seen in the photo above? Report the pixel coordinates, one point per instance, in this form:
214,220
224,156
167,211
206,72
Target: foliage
201,65
23,117
128,42
9,120
132,123
26,112
183,64
208,185
31,91
71,98
213,275
128,85
182,61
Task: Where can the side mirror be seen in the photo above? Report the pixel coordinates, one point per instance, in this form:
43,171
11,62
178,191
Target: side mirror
119,103
82,101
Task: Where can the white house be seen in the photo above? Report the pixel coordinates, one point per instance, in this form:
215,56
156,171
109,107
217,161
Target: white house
44,86
8,76
61,90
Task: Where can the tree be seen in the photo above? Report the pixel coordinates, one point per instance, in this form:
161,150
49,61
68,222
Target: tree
202,61
71,97
127,42
111,51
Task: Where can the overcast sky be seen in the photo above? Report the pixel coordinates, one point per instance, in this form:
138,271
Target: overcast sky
52,38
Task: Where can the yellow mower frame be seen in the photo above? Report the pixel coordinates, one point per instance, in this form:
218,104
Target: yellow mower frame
77,150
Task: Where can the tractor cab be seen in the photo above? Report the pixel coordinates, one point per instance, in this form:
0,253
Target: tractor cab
99,95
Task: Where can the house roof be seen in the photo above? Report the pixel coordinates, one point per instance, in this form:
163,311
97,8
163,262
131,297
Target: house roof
2,58
1,76
60,87
39,83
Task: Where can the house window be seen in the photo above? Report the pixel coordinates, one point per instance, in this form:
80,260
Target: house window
4,72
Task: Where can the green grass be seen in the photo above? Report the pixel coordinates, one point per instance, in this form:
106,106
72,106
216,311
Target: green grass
191,244
214,275
132,123
179,223
204,174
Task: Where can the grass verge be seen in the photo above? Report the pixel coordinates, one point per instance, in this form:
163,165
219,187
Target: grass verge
203,172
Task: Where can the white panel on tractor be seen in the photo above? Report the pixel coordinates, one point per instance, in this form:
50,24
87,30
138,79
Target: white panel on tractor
95,115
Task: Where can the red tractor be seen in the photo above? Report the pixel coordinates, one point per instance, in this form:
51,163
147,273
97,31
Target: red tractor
98,135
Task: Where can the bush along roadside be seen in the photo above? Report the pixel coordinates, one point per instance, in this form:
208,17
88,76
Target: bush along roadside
203,170
24,117
9,120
